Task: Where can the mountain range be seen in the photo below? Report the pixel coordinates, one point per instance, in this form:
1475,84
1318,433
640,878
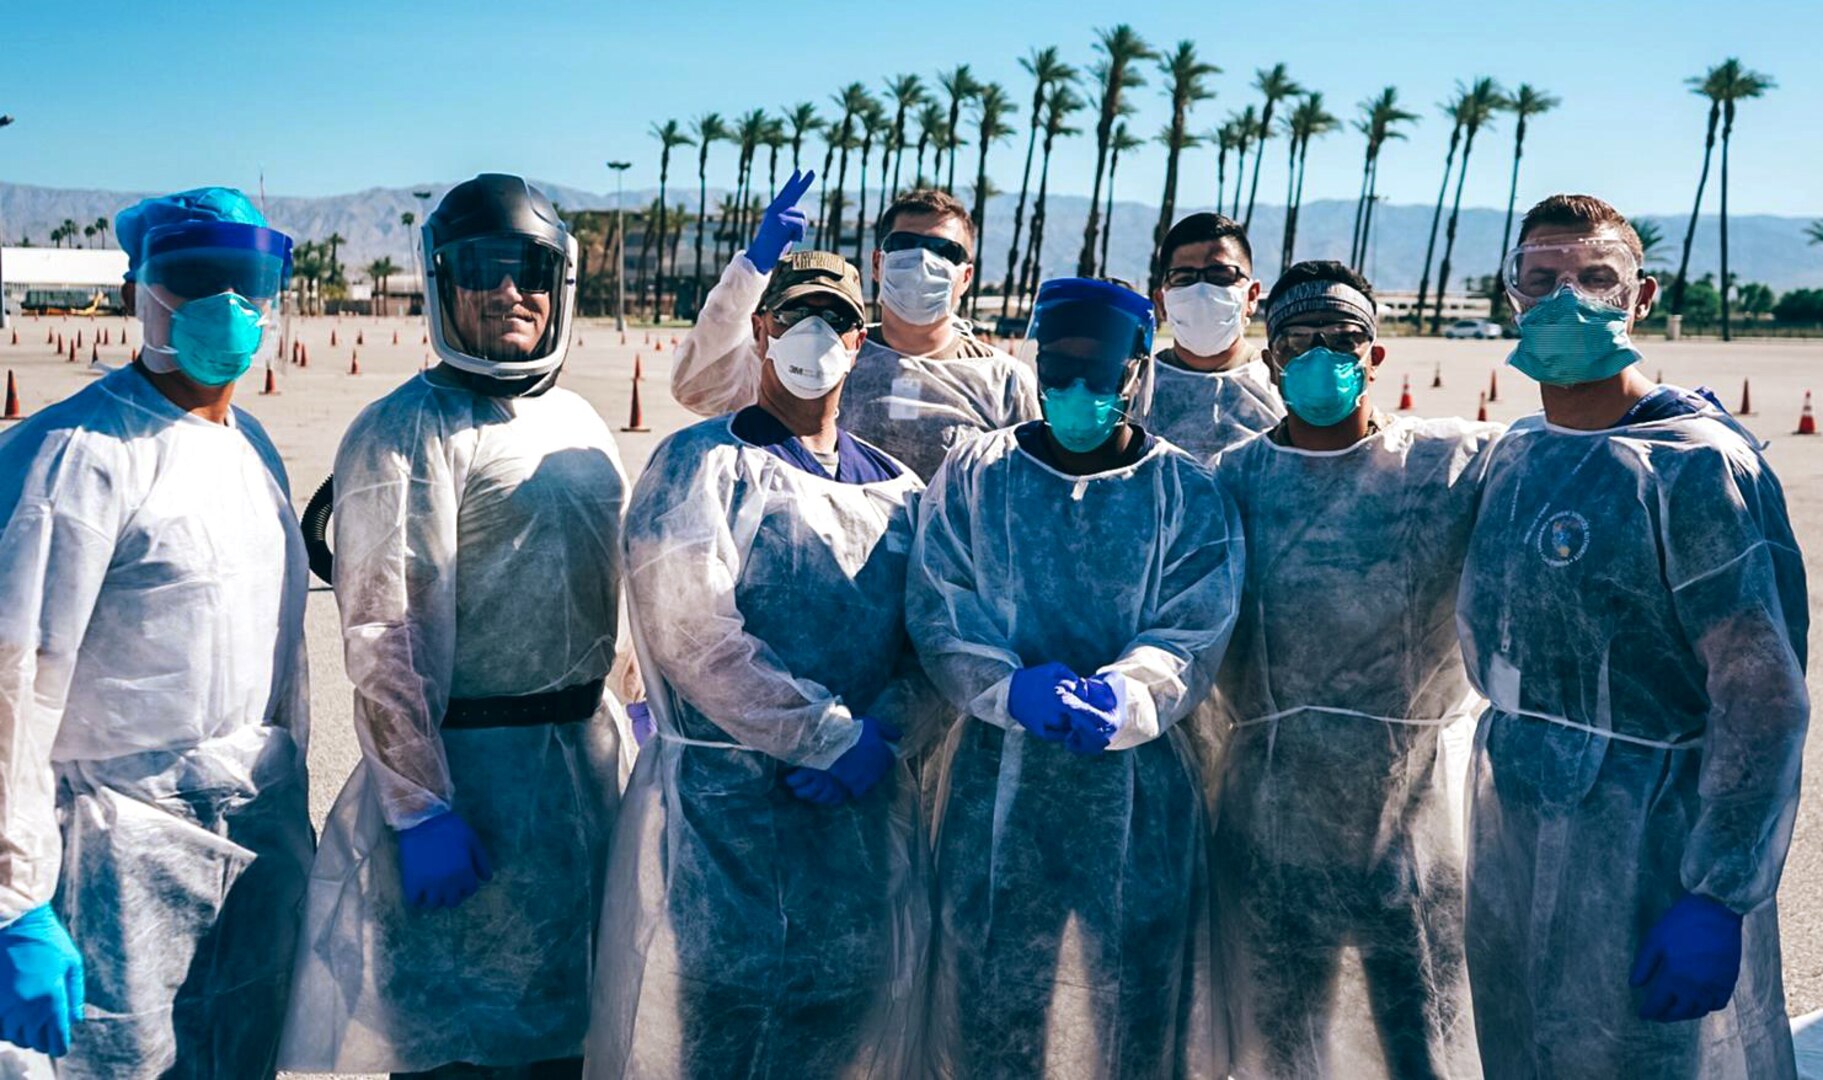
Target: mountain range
1763,248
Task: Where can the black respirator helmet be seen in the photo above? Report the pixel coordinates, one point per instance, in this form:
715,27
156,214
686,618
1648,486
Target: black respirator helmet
489,238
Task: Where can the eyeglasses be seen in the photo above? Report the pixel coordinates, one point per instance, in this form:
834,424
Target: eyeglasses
481,265
1221,275
841,320
1341,337
943,247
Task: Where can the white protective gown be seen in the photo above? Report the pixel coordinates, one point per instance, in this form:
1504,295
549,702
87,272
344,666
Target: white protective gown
1073,932
1338,850
477,556
916,408
154,703
1207,412
1634,609
751,934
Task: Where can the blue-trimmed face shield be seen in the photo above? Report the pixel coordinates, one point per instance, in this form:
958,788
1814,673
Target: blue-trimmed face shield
1094,341
209,297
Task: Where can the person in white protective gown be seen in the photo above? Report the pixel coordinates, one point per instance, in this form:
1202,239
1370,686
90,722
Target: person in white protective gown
153,691
767,912
922,383
1210,389
1338,856
1073,585
1634,608
452,909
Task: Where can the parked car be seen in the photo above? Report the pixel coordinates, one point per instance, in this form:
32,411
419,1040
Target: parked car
1477,329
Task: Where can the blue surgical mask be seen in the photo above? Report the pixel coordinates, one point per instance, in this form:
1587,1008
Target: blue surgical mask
1080,419
1566,339
215,337
1323,386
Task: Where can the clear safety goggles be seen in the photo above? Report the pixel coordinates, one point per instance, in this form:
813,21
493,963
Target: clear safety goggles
1601,269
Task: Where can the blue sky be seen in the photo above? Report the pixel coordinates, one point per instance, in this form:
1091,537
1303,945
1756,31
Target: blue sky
335,96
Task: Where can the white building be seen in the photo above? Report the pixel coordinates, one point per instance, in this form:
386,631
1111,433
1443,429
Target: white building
1398,306
37,279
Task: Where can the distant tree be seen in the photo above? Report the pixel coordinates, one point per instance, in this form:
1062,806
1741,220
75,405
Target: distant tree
1814,232
1274,85
960,86
670,136
102,225
1059,107
707,129
907,92
1756,299
1186,72
1524,103
992,108
1121,50
1379,121
1122,142
1047,71
1483,99
88,236
1702,302
380,271
1800,306
1650,237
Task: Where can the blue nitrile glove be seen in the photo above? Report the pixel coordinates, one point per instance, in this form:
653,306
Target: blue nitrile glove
781,225
441,862
855,773
40,983
1096,708
1035,699
639,718
1688,962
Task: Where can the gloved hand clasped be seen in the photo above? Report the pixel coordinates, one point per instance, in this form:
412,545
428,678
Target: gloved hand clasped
442,862
855,773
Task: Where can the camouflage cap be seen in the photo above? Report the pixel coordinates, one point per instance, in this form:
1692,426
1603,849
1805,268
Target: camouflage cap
811,273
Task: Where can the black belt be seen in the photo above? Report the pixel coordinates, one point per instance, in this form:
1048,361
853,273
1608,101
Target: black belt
570,705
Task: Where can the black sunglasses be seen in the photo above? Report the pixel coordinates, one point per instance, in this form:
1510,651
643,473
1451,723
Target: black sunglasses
482,265
1221,275
841,320
944,248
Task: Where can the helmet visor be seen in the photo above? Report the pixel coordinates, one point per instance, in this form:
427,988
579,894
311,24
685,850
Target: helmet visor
499,296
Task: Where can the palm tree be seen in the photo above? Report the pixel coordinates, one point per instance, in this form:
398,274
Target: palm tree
930,131
1650,237
1059,107
1121,49
335,242
1524,103
670,136
907,93
1046,71
992,107
1246,133
1745,86
1812,232
872,119
707,130
1187,73
959,85
102,225
70,230
855,101
1713,85
1485,98
379,272
1456,110
1275,86
1308,121
774,140
1379,115
88,235
749,128
1223,138
803,121
1119,144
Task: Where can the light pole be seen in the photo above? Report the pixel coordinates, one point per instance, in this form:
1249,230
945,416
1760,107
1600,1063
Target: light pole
4,321
620,249
417,249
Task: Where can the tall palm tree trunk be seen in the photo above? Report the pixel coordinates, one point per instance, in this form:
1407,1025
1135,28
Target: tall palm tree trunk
1683,263
1240,180
1107,221
1367,218
1506,231
1028,275
702,217
1085,262
1291,208
1354,237
658,276
1025,186
1727,136
1430,248
861,207
1449,242
1291,236
1221,177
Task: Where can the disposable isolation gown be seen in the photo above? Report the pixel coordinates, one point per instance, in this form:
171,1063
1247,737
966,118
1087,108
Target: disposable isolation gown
154,705
1073,908
1207,412
915,408
1634,609
477,556
1338,852
752,934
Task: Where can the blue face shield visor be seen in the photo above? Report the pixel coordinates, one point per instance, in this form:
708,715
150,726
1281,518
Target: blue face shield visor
194,259
1093,331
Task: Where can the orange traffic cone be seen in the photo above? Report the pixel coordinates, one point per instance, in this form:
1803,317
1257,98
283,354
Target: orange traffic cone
12,398
72,358
1482,413
94,354
1494,385
332,337
15,335
1746,398
135,356
637,420
579,341
303,355
60,348
638,371
1405,396
50,336
354,361
360,337
623,337
104,336
674,341
1437,379
1807,420
425,340
395,337
79,340
271,386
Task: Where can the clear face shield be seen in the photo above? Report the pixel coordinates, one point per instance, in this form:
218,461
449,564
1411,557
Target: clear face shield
1602,270
1094,339
502,301
208,298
